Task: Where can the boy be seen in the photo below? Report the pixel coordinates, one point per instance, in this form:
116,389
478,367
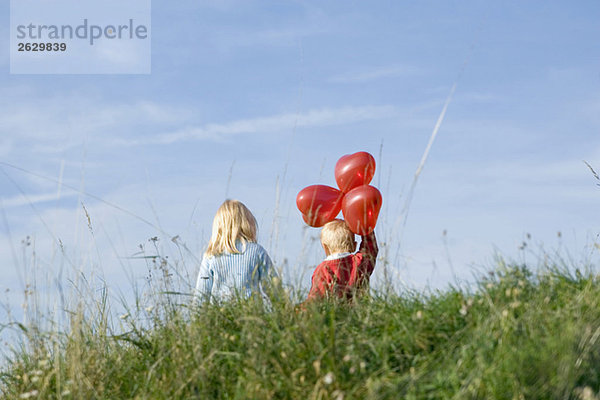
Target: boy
343,274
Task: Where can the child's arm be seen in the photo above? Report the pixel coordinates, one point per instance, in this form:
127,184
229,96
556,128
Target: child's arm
266,277
368,246
269,271
204,282
368,249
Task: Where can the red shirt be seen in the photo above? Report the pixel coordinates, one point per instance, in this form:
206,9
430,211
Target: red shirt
345,276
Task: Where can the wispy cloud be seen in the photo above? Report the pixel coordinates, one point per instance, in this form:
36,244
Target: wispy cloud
19,201
55,125
35,120
362,76
270,124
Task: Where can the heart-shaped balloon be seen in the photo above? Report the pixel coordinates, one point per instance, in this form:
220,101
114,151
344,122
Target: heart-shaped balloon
354,170
361,208
319,204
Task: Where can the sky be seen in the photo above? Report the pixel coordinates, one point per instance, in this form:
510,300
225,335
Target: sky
255,100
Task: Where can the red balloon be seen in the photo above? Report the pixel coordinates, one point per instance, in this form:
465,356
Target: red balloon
354,170
319,204
361,208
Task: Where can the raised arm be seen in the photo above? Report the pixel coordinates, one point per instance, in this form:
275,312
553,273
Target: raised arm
368,246
368,249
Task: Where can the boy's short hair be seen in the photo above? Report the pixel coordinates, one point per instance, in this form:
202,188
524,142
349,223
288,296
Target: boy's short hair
338,237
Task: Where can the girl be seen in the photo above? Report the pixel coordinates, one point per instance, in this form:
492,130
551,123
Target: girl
233,264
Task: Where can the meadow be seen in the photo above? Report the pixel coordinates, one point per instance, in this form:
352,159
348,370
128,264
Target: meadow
517,332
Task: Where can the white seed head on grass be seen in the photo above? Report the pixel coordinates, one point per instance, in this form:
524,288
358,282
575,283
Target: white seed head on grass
29,395
328,378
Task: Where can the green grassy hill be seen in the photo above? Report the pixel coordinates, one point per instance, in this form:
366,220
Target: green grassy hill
514,335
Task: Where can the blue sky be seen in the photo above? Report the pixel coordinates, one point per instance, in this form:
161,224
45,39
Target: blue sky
255,100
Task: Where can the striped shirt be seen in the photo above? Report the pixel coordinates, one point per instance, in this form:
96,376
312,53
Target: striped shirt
228,275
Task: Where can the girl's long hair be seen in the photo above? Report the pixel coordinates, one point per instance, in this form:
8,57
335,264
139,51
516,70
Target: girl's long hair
233,222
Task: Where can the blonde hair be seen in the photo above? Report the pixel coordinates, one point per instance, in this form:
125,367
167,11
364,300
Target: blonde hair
338,237
233,222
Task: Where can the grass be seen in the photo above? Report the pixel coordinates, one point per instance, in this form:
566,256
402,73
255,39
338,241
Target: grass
513,335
